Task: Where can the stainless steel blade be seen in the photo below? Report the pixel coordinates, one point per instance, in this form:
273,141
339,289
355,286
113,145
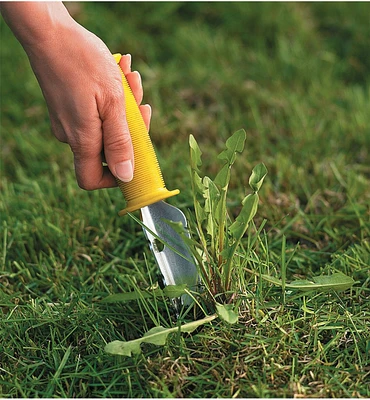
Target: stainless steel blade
174,260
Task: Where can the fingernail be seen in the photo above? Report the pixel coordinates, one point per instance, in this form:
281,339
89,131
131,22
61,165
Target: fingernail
149,107
139,78
129,56
124,171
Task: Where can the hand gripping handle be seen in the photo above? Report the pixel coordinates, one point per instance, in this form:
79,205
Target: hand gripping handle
147,186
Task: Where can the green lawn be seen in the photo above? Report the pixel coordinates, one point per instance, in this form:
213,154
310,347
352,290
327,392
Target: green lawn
295,76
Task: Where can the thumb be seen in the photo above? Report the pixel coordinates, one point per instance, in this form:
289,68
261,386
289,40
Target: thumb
117,143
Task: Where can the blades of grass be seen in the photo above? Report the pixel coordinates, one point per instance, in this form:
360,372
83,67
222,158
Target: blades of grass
5,237
283,267
55,378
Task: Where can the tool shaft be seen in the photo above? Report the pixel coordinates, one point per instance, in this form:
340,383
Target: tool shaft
147,185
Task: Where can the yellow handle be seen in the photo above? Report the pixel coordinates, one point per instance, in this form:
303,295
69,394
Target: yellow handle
147,186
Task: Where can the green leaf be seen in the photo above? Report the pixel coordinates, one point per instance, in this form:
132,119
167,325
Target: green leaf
121,348
157,336
212,197
199,211
198,188
234,144
258,175
227,313
197,183
337,281
223,177
170,291
195,154
237,230
248,211
173,291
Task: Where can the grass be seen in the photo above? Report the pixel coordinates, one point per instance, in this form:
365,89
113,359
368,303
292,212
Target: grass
295,76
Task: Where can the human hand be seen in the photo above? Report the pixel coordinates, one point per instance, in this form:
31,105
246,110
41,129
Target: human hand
83,90
84,95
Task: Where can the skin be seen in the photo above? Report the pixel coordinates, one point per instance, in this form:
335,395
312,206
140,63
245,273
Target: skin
81,84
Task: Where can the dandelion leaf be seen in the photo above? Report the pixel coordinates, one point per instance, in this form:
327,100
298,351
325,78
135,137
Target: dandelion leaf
234,144
173,291
212,197
195,154
120,348
258,175
227,313
248,211
157,336
337,281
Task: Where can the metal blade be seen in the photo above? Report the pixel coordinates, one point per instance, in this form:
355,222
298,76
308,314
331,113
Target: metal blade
176,265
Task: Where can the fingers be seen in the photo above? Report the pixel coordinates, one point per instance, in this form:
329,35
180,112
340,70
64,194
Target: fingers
115,139
89,171
134,81
91,174
146,112
125,63
133,78
117,143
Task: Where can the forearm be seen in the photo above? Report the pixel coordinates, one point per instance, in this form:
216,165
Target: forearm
35,23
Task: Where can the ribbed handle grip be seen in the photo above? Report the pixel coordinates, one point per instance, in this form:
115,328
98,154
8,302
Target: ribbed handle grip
147,186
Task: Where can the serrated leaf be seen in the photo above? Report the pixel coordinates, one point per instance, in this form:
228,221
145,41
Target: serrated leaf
212,197
234,144
223,177
157,336
197,182
173,291
195,154
237,230
258,175
200,213
248,211
121,348
337,281
227,313
170,291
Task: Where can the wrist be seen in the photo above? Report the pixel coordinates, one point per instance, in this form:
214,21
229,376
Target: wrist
36,23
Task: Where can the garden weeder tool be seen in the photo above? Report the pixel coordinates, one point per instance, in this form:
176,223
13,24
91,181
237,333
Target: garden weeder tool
147,192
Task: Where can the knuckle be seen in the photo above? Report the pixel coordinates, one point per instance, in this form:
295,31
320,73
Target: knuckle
114,96
117,142
85,182
84,148
86,186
